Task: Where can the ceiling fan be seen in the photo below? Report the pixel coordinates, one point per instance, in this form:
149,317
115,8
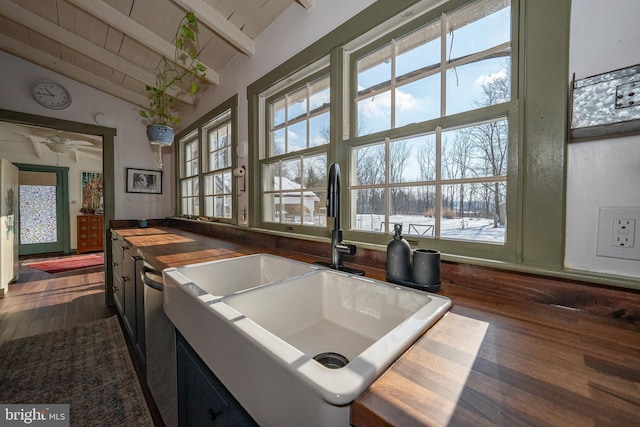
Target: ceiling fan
57,141
59,144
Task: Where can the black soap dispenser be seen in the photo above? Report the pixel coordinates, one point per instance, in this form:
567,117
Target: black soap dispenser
398,257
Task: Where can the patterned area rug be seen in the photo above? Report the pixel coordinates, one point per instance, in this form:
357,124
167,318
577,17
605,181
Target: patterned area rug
68,264
86,366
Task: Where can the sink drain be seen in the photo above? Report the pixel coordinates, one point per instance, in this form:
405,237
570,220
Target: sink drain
331,360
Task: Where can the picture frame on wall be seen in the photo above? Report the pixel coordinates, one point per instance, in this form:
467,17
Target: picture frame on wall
144,181
92,192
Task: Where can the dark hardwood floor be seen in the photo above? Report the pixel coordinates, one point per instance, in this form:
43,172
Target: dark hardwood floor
40,302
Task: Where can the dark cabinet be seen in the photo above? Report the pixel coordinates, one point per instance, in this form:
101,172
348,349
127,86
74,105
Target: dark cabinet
118,287
128,291
202,398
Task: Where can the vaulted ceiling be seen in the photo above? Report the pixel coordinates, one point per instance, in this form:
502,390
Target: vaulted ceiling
116,45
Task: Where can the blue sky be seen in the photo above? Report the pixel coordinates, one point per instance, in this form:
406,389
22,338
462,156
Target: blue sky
420,100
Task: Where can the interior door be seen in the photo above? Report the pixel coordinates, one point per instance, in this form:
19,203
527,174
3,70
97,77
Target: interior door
43,209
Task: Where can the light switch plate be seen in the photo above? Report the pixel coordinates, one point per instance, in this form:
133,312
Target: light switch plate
618,232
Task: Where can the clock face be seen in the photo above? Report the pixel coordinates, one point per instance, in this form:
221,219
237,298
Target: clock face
51,95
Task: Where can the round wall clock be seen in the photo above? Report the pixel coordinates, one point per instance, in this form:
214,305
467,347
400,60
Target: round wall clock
51,94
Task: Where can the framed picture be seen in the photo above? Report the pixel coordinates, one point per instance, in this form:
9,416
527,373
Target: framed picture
144,181
92,192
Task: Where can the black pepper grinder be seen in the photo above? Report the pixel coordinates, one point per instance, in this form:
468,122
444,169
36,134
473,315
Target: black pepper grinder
398,257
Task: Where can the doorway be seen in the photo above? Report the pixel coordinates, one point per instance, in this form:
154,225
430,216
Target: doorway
107,135
43,195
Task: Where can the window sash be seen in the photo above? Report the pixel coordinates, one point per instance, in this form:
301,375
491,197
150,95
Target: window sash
311,95
384,52
429,152
205,162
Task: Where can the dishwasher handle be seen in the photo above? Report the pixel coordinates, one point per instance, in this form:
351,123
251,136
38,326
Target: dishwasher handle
152,277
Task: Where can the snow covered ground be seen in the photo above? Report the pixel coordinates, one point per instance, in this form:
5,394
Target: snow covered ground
472,229
477,229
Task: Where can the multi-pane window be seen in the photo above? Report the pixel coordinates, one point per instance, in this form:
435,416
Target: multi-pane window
205,165
299,119
423,113
440,178
456,194
189,180
217,174
293,172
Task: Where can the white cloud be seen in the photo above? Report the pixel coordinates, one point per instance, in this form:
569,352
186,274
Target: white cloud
377,106
490,78
405,101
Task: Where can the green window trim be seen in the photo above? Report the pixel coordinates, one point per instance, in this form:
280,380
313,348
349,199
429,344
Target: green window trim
198,131
537,157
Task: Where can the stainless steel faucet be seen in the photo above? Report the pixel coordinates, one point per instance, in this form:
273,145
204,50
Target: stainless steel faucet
338,247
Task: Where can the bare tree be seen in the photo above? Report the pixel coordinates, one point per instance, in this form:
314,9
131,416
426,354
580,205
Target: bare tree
491,138
427,164
457,163
315,172
369,171
399,152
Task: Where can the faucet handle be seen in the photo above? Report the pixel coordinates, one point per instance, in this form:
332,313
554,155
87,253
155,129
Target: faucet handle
346,248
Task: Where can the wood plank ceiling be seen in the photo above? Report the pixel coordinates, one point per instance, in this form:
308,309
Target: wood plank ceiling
116,45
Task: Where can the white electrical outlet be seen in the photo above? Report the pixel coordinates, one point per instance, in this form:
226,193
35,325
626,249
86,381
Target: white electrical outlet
617,237
624,231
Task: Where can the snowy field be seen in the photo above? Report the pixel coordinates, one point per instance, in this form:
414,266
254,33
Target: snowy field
416,225
473,229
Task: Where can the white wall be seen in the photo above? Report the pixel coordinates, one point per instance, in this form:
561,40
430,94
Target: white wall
131,147
605,36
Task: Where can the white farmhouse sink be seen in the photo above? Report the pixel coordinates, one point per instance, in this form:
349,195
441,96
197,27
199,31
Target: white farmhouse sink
229,276
330,312
261,342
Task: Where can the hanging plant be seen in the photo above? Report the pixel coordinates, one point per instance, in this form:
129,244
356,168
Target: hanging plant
172,76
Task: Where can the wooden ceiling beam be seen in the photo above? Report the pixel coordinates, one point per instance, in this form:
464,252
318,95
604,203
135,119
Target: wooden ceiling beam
307,4
38,147
55,64
220,25
49,29
123,23
80,155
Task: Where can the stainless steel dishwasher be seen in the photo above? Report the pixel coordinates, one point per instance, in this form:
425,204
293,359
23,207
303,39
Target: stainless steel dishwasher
161,348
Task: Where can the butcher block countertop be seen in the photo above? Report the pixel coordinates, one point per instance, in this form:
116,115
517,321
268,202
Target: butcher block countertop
489,361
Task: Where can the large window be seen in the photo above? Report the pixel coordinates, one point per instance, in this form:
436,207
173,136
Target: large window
447,116
205,165
435,101
422,115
